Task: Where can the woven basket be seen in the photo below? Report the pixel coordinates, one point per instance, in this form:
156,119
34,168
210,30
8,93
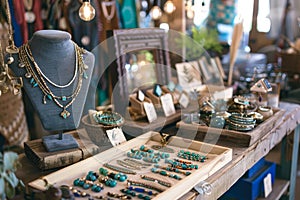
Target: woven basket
96,132
13,124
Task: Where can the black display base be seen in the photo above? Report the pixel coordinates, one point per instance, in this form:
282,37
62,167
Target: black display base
59,142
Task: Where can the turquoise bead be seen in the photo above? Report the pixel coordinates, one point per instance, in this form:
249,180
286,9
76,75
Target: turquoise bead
142,147
86,186
49,97
32,81
97,189
85,76
122,178
147,198
164,173
76,182
64,98
35,85
81,183
140,196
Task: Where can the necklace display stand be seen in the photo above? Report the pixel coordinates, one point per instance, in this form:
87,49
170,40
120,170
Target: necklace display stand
56,75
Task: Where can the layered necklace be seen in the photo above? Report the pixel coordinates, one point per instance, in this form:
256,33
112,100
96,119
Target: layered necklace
37,78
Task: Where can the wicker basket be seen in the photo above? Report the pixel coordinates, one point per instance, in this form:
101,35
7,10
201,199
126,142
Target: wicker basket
96,132
13,124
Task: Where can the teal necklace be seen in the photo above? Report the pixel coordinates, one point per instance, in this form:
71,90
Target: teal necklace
36,78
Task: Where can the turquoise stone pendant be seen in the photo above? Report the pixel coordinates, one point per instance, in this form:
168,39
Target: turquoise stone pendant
64,98
49,97
85,76
65,114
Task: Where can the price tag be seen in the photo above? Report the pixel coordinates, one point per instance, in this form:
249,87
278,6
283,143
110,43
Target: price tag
184,100
116,136
268,185
168,104
150,111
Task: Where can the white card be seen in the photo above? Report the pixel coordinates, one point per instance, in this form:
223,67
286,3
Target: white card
150,111
116,136
184,100
168,104
140,96
268,185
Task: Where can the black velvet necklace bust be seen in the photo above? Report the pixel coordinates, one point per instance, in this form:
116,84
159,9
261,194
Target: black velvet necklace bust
55,54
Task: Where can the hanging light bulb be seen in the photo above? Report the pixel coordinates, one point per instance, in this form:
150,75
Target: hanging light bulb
86,11
155,11
169,7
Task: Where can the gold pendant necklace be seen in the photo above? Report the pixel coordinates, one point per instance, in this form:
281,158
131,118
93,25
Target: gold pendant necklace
104,5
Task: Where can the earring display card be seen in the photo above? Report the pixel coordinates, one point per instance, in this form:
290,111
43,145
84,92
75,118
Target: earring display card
116,136
150,112
140,96
184,100
168,104
217,157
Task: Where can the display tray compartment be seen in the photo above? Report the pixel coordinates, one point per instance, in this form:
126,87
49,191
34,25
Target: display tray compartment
244,139
218,156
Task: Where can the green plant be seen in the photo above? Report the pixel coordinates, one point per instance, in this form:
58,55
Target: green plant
201,40
8,180
208,38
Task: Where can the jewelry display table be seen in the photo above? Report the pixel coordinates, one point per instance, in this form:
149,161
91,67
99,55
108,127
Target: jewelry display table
243,158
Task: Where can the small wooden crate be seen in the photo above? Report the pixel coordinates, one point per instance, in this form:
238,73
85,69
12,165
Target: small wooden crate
44,160
217,157
244,139
155,100
137,105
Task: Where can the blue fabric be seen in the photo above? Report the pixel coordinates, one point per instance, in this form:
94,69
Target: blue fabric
128,14
16,27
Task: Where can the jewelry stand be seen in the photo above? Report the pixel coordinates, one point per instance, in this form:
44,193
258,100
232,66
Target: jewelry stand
59,142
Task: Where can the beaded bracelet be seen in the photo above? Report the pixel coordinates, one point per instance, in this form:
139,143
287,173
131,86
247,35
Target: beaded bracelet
86,184
119,196
172,169
128,165
191,156
107,181
119,169
132,193
165,173
108,118
119,176
142,190
143,184
77,193
156,180
137,163
180,165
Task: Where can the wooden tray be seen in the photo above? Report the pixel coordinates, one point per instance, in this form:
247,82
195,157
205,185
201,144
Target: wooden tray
244,139
217,157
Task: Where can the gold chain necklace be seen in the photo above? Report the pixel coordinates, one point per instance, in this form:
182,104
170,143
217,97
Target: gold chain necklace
36,79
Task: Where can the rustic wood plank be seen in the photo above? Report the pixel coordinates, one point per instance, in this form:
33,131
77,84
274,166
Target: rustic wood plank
244,158
279,188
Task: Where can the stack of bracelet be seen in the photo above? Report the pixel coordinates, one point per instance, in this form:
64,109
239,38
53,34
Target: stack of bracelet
172,169
128,165
147,155
165,173
180,164
117,176
145,185
156,180
191,156
137,163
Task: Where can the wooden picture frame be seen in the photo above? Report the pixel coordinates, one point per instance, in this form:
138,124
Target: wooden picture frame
133,40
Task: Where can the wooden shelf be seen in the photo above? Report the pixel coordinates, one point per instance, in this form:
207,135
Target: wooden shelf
280,186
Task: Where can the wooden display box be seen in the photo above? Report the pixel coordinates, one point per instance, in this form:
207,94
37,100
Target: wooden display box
166,90
137,105
155,99
44,160
244,139
217,157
